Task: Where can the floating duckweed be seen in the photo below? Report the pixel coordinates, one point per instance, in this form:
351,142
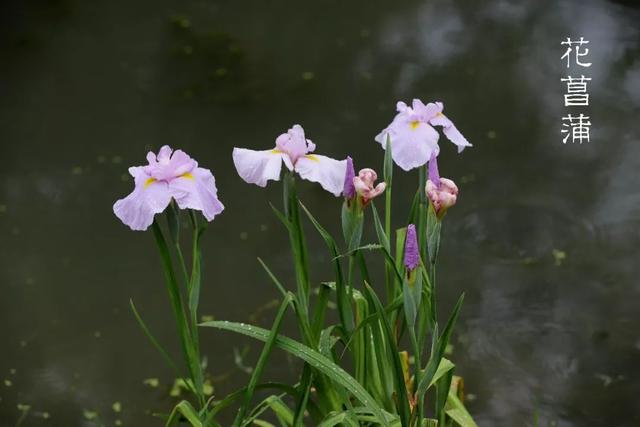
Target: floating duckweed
308,75
151,382
76,170
8,383
89,415
117,407
3,208
558,256
181,22
207,318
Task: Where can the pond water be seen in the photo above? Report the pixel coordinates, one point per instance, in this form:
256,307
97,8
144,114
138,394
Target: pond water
544,240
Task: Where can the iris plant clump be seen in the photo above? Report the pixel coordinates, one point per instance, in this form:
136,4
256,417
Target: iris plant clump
382,362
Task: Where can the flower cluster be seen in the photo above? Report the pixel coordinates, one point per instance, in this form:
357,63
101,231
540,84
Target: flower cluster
176,176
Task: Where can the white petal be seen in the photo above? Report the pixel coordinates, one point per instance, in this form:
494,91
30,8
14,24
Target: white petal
450,131
149,197
328,172
258,167
412,145
197,190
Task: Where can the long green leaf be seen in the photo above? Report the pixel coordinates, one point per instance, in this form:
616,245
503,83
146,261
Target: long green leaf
362,414
456,410
344,306
262,360
186,340
185,409
274,279
153,340
232,397
436,357
445,366
313,358
401,390
279,408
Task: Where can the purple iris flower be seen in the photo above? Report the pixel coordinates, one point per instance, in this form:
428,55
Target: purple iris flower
412,134
294,150
168,175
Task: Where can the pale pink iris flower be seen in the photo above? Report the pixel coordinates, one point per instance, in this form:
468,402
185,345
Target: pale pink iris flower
412,134
364,185
295,151
169,175
442,192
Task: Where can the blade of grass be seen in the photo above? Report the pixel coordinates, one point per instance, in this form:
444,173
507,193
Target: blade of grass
185,409
262,360
438,353
153,340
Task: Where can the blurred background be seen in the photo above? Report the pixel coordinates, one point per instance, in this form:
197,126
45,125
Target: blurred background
544,239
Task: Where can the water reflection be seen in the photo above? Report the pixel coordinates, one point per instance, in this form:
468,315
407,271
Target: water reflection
544,239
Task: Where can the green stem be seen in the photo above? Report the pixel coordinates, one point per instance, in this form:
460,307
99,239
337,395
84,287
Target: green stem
189,351
296,238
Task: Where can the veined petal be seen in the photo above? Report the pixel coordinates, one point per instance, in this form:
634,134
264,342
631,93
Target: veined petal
328,172
147,199
197,190
412,144
258,167
450,131
169,164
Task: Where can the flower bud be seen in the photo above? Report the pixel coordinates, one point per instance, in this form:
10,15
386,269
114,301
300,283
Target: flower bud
364,185
411,251
442,192
349,190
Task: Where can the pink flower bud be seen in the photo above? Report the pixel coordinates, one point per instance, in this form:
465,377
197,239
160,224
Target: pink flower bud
364,184
443,196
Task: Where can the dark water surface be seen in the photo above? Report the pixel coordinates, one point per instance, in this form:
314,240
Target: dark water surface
544,240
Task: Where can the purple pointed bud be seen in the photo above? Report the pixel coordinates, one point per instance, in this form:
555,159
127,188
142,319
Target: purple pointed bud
434,175
411,252
349,191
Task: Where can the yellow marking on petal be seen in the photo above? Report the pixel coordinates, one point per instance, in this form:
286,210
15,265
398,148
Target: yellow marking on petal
439,114
276,151
148,182
187,175
414,124
312,157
